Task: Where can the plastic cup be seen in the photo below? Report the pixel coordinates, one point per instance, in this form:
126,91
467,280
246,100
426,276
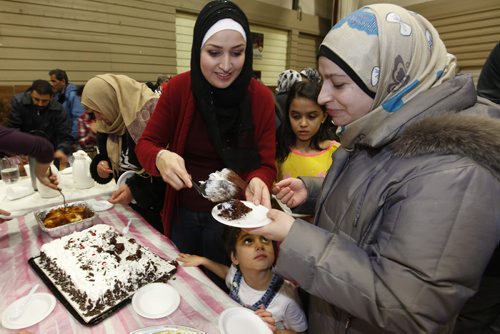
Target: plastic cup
9,170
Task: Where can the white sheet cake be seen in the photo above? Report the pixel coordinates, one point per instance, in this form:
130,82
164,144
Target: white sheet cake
98,267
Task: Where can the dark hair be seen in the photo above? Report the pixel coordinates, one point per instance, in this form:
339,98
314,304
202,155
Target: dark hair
60,75
161,79
79,90
42,87
286,137
230,237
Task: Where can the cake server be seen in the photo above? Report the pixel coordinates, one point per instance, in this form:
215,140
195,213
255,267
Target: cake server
19,310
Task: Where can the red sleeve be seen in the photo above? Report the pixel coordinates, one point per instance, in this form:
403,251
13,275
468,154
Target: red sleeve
161,126
265,132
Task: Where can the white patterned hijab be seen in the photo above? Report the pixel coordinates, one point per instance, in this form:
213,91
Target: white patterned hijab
393,55
286,79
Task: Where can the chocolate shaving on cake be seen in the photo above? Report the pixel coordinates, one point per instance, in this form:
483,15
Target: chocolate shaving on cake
233,209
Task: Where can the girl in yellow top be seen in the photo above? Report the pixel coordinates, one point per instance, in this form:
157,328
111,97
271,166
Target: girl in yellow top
304,145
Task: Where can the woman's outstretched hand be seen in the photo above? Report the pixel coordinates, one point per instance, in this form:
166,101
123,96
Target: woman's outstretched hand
173,169
258,193
278,228
290,191
42,174
103,169
122,195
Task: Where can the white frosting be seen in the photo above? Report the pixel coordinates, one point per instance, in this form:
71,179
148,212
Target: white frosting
101,270
218,188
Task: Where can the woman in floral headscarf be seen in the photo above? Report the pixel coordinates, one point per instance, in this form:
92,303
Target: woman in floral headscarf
407,218
122,107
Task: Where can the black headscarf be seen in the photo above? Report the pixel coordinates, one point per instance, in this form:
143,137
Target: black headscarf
227,112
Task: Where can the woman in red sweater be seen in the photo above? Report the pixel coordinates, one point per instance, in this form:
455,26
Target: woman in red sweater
214,116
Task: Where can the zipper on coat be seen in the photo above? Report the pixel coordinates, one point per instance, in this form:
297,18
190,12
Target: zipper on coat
347,323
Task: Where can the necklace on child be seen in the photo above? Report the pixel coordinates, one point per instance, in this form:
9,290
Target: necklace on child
272,290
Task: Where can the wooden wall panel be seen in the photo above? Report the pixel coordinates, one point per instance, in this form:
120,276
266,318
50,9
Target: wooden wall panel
469,29
307,51
139,38
84,37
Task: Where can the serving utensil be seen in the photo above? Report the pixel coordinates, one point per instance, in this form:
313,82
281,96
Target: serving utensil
19,310
60,191
223,185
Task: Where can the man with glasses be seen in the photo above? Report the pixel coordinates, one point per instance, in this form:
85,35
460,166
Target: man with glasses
34,111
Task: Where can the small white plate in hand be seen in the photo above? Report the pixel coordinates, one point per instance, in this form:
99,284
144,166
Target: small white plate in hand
124,177
242,321
37,309
156,300
99,205
255,218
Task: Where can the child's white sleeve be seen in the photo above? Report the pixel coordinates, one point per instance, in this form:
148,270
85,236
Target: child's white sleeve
295,318
230,276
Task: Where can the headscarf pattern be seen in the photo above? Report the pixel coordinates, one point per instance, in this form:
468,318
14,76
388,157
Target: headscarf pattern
311,74
286,79
226,112
120,99
393,55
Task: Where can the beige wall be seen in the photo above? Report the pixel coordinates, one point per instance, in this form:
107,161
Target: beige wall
469,29
132,37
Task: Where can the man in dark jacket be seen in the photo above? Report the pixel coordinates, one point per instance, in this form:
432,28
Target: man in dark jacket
488,85
34,111
481,313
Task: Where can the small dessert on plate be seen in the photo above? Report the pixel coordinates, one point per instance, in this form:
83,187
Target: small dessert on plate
242,214
233,209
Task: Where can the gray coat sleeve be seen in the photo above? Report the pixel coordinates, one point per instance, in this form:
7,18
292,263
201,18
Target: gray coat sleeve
433,241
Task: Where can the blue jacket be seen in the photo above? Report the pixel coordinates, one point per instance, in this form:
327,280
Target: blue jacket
71,103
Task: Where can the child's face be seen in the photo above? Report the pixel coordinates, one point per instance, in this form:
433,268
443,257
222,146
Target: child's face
253,252
305,117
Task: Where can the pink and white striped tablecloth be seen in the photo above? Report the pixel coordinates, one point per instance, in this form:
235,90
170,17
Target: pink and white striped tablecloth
21,239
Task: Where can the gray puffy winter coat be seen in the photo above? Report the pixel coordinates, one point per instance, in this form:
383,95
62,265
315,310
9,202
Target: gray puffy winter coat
404,228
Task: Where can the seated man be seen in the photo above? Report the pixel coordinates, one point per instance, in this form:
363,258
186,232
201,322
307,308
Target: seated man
66,94
34,111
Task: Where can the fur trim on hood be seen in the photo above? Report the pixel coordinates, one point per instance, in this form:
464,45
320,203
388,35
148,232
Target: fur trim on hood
470,136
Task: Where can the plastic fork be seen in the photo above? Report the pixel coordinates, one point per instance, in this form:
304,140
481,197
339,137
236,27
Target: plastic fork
19,310
126,228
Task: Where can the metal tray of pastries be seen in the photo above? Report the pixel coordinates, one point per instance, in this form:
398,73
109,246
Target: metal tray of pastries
58,221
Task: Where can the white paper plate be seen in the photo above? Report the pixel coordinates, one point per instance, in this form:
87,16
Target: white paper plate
255,218
242,321
156,300
167,329
39,307
124,177
99,205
